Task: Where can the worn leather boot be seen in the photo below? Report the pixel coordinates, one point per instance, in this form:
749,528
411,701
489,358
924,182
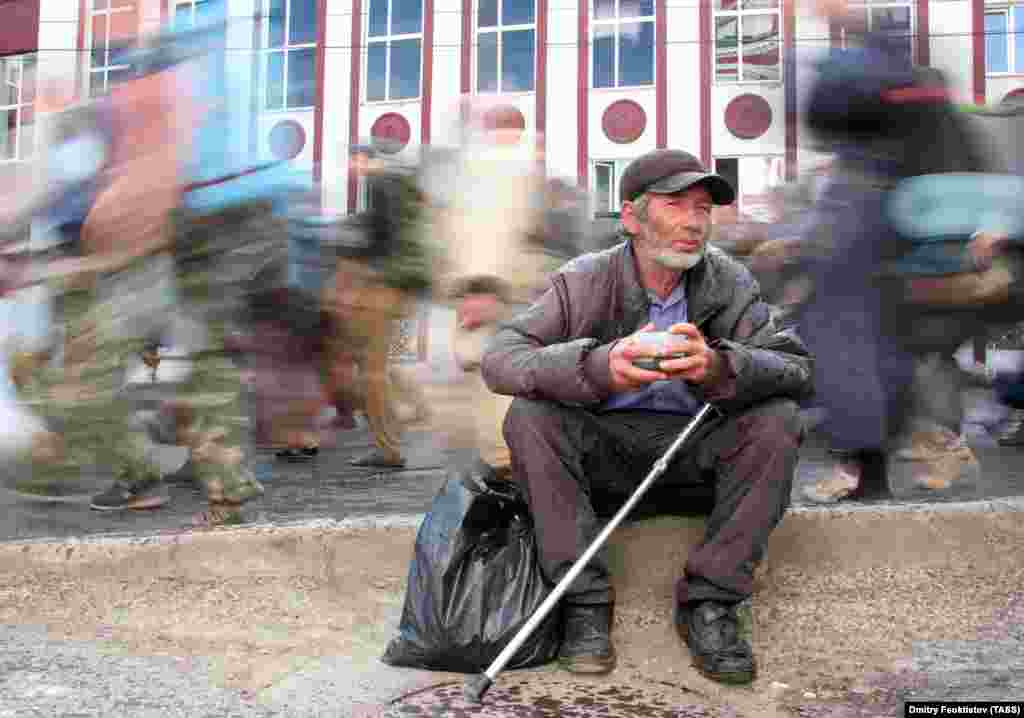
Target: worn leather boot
587,644
711,632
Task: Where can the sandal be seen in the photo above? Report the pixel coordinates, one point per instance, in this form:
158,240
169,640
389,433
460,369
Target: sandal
217,515
843,484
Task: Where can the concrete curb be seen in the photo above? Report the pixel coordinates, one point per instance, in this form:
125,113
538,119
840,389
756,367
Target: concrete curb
412,521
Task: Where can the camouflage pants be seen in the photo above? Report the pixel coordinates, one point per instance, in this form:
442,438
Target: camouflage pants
78,394
107,327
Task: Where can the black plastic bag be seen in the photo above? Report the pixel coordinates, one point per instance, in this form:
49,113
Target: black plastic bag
474,581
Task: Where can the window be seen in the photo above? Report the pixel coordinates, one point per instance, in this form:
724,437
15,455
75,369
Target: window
623,43
393,50
895,19
754,178
190,13
1004,36
604,188
505,38
729,168
111,24
16,107
747,40
291,55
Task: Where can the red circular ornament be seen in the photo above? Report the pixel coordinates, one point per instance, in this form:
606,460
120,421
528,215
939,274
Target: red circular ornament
390,132
624,121
748,116
286,139
505,117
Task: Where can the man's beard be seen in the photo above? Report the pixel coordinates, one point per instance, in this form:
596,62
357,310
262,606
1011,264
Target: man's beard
678,261
661,234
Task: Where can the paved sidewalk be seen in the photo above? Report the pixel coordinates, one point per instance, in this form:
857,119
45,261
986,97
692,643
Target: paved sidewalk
331,488
857,610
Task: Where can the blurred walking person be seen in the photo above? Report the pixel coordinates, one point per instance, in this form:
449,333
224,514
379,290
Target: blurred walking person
504,230
886,122
384,264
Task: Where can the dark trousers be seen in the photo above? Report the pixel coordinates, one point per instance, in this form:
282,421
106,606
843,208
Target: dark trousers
564,457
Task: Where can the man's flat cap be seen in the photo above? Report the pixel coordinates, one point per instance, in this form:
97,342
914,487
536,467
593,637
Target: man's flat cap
670,171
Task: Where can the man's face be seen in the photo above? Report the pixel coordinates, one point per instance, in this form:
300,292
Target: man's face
676,227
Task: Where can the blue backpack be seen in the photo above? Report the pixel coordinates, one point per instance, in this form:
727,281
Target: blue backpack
936,214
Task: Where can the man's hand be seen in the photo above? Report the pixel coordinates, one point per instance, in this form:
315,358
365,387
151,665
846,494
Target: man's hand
624,375
700,361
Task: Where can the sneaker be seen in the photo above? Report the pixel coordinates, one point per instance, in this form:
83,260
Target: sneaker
711,630
587,647
935,444
939,458
937,474
379,458
1012,433
141,494
296,455
842,484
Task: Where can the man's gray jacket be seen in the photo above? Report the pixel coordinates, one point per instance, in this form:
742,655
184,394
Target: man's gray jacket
558,348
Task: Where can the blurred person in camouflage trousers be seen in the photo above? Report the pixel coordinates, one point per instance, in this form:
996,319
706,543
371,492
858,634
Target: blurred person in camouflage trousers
384,263
109,297
117,292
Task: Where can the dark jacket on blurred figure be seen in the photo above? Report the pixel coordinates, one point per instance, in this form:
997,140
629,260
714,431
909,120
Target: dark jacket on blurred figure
885,121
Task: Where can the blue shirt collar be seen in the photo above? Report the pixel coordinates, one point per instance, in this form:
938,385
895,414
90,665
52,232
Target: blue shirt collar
678,295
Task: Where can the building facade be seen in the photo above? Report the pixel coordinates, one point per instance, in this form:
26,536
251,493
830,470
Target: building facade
593,83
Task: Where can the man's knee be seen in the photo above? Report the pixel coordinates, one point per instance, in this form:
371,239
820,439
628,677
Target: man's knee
527,417
776,422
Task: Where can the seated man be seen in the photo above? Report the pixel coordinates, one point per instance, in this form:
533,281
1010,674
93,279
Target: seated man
586,420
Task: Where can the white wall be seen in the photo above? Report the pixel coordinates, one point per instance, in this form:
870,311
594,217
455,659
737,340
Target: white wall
444,108
57,59
562,137
337,94
950,46
150,18
683,76
241,60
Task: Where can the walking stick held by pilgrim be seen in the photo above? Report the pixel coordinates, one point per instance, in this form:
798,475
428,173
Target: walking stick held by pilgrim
475,687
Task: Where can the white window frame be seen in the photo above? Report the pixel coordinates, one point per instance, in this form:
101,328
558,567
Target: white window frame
18,65
500,29
1013,68
875,4
387,40
617,166
616,23
287,49
192,4
106,68
774,179
739,13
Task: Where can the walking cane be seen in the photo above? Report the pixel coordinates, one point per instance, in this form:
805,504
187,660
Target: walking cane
475,687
